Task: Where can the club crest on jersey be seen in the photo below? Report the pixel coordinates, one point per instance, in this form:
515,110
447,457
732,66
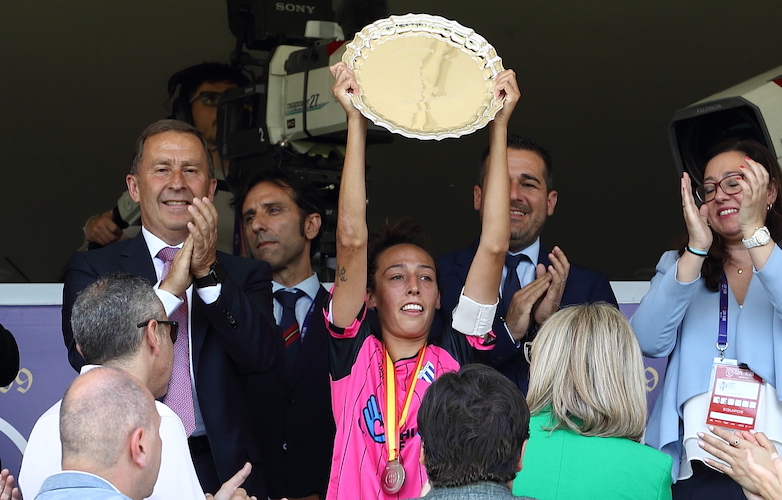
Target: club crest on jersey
427,372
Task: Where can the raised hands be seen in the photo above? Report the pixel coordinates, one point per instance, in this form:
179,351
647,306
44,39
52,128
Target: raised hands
203,231
507,88
541,298
485,274
198,251
179,276
559,271
345,86
700,236
756,197
352,234
520,312
8,489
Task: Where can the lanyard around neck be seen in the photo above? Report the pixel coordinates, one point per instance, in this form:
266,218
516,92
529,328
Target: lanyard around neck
392,431
722,334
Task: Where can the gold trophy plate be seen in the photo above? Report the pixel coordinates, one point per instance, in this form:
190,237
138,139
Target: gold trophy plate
424,76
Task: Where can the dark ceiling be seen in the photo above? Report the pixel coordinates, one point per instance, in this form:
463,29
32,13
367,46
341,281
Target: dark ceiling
601,81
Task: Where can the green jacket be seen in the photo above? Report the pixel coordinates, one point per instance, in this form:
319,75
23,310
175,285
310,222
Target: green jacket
563,465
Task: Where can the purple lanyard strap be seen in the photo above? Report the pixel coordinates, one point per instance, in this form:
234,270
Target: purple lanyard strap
722,336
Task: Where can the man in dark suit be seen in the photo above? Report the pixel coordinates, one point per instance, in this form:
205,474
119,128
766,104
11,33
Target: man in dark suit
282,217
536,282
222,303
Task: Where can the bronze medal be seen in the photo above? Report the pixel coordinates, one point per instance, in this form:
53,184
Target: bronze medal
393,477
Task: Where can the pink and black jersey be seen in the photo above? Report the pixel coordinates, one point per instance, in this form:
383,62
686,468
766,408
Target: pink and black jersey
358,401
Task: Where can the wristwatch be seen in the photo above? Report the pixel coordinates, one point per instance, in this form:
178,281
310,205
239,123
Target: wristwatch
760,237
215,276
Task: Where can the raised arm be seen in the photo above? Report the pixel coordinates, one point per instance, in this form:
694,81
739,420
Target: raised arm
350,283
485,274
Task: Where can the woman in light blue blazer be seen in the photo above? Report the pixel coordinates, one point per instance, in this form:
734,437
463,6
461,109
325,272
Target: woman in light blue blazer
729,275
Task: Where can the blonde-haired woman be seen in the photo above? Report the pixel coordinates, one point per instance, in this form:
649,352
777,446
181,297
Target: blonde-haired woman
587,396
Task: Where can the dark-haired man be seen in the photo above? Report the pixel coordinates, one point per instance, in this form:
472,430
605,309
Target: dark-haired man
224,300
282,216
200,88
536,282
474,426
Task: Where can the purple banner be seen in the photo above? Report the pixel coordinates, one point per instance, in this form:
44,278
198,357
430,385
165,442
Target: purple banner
655,367
43,376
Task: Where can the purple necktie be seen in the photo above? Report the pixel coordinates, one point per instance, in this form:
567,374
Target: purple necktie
180,393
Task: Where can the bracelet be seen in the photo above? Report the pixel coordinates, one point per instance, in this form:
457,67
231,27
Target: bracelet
699,253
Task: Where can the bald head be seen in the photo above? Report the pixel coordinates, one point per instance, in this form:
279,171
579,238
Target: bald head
109,427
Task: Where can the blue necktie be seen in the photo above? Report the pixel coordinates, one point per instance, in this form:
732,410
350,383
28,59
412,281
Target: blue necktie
512,283
289,324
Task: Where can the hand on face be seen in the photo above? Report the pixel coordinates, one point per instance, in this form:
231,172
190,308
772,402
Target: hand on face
738,214
559,271
700,236
755,200
345,86
203,231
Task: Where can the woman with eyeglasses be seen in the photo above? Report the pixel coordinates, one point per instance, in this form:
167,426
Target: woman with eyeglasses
715,308
587,397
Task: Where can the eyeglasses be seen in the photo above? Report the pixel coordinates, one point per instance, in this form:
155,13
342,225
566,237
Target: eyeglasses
527,347
208,98
729,185
173,331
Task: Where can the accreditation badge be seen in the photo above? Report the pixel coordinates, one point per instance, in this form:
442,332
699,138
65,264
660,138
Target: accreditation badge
735,396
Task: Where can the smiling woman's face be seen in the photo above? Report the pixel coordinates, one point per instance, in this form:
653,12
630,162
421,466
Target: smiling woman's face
406,295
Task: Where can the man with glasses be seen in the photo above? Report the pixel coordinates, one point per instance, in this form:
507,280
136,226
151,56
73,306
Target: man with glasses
118,321
223,303
199,90
536,282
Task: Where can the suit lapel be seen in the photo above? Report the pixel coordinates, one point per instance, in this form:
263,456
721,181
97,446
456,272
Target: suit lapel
198,325
543,256
135,259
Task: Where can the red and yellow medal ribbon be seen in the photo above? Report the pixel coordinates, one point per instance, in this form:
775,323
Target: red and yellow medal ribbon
392,431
